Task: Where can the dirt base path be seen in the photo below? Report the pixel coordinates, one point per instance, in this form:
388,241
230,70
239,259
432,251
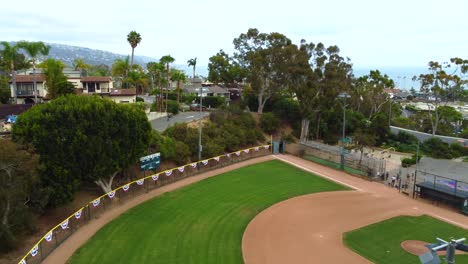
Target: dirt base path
309,228
69,246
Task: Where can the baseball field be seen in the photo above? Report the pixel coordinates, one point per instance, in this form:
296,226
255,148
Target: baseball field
265,211
201,223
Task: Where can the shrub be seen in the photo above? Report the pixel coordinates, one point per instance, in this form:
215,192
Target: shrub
458,150
436,148
172,107
407,162
269,123
139,99
286,109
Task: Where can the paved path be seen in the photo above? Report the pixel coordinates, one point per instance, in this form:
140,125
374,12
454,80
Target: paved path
161,124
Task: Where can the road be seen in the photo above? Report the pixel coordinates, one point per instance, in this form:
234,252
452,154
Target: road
161,124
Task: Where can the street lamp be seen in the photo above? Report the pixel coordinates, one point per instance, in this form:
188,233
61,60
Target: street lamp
343,96
200,126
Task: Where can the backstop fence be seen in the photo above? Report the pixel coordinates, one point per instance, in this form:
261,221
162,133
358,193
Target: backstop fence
327,155
52,239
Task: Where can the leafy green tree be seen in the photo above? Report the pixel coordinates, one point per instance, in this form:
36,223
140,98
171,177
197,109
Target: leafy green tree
134,39
4,89
442,81
83,138
363,139
99,70
80,65
34,49
9,56
263,55
178,76
269,123
55,80
156,70
193,63
167,60
18,176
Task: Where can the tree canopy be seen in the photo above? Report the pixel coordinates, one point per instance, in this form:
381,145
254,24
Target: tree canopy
83,138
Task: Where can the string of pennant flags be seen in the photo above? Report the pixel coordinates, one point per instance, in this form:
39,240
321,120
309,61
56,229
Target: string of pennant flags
96,202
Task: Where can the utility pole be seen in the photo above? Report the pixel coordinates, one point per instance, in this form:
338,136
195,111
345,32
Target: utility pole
200,125
343,96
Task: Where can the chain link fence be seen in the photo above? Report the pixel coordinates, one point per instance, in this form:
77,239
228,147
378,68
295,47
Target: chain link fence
52,239
355,163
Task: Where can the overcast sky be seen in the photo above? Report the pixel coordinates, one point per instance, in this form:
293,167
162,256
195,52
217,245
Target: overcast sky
373,33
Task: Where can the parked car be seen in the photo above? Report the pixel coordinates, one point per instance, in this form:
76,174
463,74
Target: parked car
196,107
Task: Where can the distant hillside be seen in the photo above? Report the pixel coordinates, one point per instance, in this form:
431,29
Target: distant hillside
68,54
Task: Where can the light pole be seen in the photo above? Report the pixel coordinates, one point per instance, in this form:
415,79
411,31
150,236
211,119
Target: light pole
343,96
200,125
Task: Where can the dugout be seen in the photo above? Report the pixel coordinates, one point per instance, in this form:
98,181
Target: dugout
450,195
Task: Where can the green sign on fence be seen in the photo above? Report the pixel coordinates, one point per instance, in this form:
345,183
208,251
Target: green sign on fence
150,162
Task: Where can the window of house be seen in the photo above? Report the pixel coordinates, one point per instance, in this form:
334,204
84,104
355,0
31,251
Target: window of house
98,86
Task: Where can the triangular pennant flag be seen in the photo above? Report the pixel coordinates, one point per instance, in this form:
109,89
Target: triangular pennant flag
96,202
64,224
48,237
78,214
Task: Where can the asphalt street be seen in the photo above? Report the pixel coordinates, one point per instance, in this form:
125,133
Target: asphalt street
162,123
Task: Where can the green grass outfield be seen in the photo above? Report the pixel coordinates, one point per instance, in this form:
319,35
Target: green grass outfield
200,223
380,242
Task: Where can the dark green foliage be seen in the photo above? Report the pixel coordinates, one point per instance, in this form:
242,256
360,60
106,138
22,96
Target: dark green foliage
56,81
436,148
82,138
286,109
172,107
18,179
464,133
402,142
269,123
170,149
213,101
407,162
458,150
4,90
139,99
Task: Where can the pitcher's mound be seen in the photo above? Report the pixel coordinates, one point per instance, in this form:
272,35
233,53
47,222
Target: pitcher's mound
416,247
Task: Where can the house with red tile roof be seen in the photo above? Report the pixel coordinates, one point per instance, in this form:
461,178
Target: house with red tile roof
84,85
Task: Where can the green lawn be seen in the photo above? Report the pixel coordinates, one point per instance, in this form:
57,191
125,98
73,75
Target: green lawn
333,165
200,223
380,242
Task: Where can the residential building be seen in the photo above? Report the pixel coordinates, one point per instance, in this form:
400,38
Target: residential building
84,85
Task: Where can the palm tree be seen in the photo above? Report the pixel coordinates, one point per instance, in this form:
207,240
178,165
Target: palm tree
167,60
178,76
120,69
9,55
34,49
79,65
193,63
134,39
157,68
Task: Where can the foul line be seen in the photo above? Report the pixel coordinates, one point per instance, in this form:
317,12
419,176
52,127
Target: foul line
319,173
448,220
358,189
